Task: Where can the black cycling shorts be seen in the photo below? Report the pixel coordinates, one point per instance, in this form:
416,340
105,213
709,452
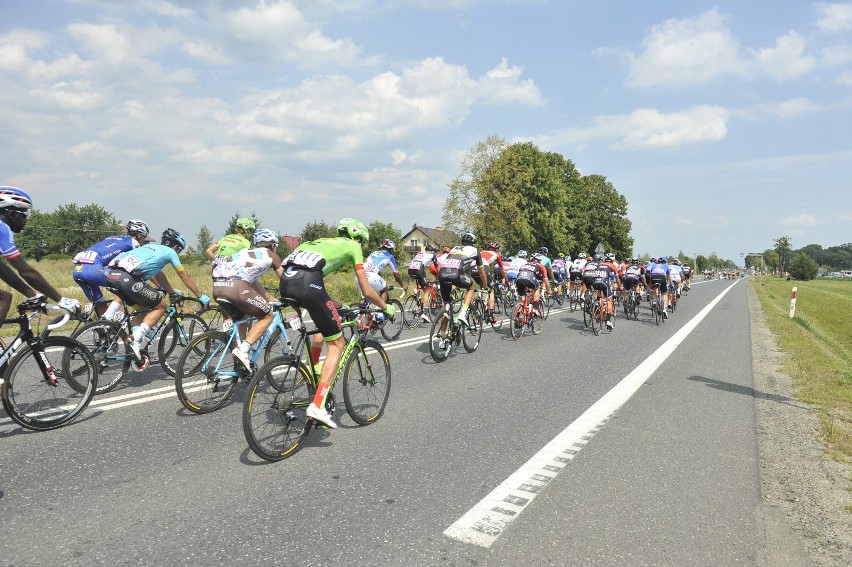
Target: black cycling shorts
133,289
307,288
630,282
662,281
449,277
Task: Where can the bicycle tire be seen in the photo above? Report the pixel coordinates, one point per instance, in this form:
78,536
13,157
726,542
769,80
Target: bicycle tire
518,322
411,311
655,307
32,402
206,373
392,327
545,307
366,382
497,314
175,337
441,338
596,322
110,349
573,300
214,316
536,324
587,312
472,333
436,303
274,414
277,345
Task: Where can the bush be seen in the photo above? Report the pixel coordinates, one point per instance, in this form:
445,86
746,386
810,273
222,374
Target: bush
803,268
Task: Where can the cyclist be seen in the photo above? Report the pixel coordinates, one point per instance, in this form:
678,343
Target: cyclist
649,265
15,208
676,273
302,280
130,271
378,261
417,272
89,265
232,243
515,265
456,270
558,266
546,262
575,272
236,284
491,257
607,275
659,275
531,276
634,275
687,276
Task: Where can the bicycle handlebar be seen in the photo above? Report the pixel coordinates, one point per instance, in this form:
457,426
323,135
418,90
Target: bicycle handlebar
66,315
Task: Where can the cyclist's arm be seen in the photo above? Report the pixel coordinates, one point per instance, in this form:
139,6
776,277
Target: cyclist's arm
33,278
161,280
367,289
188,281
11,277
211,250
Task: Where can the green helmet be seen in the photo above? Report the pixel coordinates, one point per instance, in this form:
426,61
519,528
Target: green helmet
353,228
246,224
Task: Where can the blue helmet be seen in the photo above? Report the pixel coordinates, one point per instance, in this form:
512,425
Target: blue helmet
264,235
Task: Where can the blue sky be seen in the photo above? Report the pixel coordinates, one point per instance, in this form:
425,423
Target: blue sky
725,124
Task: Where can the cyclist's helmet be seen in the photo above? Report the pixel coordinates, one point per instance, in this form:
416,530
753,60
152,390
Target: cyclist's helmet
171,237
664,260
468,239
676,262
568,258
353,228
16,205
430,248
535,257
610,257
493,246
598,258
388,244
137,227
522,253
245,224
265,236
634,260
582,255
543,250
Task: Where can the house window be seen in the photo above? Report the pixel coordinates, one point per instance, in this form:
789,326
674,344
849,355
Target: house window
414,243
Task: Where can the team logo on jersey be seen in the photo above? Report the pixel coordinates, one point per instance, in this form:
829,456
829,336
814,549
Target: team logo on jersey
137,287
289,272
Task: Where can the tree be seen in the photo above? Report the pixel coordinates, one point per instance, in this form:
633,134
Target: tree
317,229
701,263
205,239
771,259
783,245
66,231
803,268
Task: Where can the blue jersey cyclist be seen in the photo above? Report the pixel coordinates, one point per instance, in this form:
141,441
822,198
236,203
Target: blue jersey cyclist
378,261
15,208
90,264
659,275
129,274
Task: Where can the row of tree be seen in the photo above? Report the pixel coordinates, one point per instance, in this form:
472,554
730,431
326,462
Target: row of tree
804,263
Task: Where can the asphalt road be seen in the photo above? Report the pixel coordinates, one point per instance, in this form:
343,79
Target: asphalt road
636,447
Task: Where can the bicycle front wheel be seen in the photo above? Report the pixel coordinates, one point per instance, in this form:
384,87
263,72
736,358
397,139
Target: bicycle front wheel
206,377
536,323
366,383
111,351
518,323
391,328
597,322
38,402
176,336
274,414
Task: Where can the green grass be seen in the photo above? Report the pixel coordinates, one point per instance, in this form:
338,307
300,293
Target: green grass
818,341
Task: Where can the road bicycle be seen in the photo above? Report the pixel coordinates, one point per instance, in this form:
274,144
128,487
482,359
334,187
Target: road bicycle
376,320
413,306
47,382
505,298
207,372
527,313
631,304
657,308
598,312
274,415
449,331
479,306
574,297
109,342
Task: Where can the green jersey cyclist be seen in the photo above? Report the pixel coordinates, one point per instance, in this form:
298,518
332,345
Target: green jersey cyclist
304,270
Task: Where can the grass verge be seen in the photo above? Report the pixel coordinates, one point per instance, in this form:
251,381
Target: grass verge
818,343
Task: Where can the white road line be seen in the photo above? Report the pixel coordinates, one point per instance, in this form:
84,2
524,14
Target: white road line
484,523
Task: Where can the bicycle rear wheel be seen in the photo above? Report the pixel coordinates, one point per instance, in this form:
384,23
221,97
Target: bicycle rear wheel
111,351
411,311
472,333
518,323
440,337
176,336
274,419
33,401
536,323
436,303
213,317
366,382
206,374
655,307
391,328
597,321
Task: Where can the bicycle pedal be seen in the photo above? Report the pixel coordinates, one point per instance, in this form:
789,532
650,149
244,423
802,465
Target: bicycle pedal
142,364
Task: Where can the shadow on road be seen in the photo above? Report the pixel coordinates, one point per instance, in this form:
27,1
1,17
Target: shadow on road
745,390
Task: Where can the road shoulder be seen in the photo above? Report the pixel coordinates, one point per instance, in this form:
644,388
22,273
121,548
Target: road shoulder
805,491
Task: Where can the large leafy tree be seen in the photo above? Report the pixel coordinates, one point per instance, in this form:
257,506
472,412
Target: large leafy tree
602,217
66,231
803,267
317,229
783,245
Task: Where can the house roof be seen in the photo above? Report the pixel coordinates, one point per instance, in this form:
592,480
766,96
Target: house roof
437,235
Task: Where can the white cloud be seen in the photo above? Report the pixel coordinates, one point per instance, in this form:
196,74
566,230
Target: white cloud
805,219
787,60
648,128
834,17
503,84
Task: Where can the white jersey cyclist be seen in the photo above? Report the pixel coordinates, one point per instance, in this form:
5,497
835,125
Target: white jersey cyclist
247,264
378,261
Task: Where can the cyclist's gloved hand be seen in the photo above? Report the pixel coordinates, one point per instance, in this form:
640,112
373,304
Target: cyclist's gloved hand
390,310
204,299
69,304
175,296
